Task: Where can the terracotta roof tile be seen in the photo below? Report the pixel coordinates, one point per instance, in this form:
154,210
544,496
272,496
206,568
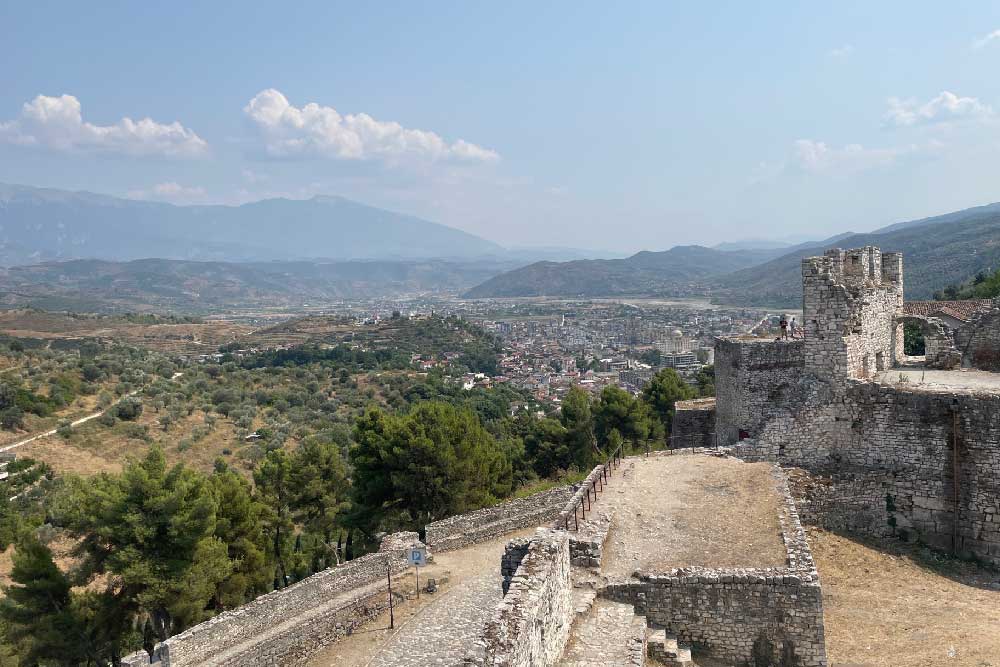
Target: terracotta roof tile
960,310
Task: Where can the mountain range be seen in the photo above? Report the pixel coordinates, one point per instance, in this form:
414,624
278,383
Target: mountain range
201,287
41,224
938,251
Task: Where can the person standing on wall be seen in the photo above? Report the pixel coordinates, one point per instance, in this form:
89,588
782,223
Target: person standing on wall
784,326
791,327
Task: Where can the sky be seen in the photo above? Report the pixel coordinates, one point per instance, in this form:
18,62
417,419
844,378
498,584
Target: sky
612,126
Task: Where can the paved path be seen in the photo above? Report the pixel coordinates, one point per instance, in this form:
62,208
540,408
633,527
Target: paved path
601,638
442,632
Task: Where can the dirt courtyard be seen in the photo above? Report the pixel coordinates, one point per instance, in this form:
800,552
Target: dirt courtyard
894,605
677,511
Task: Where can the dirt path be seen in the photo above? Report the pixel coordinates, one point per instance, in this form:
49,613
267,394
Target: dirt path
438,626
675,511
885,609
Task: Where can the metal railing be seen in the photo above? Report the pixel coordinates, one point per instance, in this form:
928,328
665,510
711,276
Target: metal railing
594,484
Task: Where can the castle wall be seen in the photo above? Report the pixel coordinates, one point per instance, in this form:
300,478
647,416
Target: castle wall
979,342
886,459
694,423
746,616
850,301
491,522
286,626
531,625
751,376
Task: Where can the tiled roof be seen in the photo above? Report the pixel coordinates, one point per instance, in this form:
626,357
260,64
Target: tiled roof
960,310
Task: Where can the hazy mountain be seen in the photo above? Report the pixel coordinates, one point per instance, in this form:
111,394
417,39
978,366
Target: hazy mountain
671,271
39,224
752,244
985,212
936,251
189,286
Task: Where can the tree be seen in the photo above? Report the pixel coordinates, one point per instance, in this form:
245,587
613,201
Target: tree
39,614
545,445
435,461
617,410
238,525
153,529
319,478
706,381
578,421
128,409
274,484
661,392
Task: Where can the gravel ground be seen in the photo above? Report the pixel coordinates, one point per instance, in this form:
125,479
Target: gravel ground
677,511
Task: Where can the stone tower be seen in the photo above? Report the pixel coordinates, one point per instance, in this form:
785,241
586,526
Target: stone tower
850,299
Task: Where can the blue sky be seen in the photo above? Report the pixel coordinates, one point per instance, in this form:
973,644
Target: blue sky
597,125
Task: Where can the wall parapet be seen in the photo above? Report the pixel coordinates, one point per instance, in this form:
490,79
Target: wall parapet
740,614
490,522
530,626
286,625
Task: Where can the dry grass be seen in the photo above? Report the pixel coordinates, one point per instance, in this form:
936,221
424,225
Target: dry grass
191,339
888,609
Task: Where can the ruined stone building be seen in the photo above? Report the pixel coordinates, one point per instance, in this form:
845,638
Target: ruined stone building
900,447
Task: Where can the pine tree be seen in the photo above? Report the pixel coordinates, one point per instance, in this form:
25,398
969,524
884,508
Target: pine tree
38,610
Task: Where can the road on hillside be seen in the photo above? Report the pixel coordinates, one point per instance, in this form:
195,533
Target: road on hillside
72,424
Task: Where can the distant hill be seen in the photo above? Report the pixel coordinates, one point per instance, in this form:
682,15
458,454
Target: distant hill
936,251
670,272
189,286
38,224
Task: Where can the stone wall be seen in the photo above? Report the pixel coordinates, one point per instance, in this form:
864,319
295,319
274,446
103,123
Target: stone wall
286,626
756,616
939,342
530,626
751,376
850,300
491,522
694,423
979,341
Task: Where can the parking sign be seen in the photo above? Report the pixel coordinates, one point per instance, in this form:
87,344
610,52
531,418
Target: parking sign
417,556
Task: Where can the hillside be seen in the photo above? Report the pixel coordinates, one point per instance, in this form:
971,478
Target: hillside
671,272
936,252
188,286
44,225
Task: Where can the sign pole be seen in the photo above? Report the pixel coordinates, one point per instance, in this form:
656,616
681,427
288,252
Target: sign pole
417,575
388,576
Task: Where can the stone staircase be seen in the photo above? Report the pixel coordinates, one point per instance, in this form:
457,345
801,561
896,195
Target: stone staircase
604,634
665,650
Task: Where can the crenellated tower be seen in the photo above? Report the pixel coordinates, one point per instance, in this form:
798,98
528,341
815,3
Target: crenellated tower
850,299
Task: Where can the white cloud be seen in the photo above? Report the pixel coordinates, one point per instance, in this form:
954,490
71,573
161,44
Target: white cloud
980,43
946,107
318,131
56,123
817,156
841,52
170,191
